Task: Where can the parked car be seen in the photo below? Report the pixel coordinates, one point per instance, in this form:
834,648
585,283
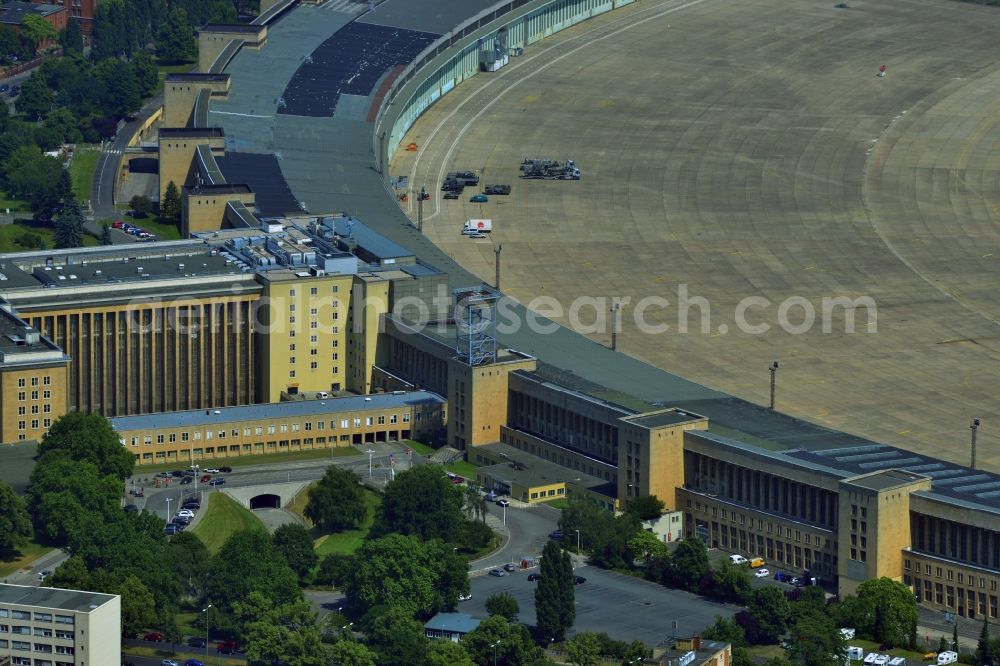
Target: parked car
227,647
479,198
4,88
225,470
216,482
184,521
177,473
205,478
44,574
491,497
172,529
452,194
465,597
186,480
762,573
187,513
499,573
193,506
579,580
532,577
497,189
193,662
15,91
170,662
503,502
154,636
556,536
509,567
131,508
196,642
782,577
212,470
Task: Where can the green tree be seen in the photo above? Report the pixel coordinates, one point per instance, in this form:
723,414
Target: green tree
249,562
984,652
63,491
514,645
87,438
604,537
337,501
296,546
647,507
726,630
191,561
222,12
646,546
36,97
170,207
555,607
138,610
584,649
105,234
146,73
730,582
349,653
141,205
71,37
336,569
447,653
688,564
889,612
815,640
175,41
954,637
503,603
69,229
396,637
122,91
422,502
38,30
404,571
286,632
741,657
15,522
772,611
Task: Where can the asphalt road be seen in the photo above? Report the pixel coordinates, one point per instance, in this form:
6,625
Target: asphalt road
626,608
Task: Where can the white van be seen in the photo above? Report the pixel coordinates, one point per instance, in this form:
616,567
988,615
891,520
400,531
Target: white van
855,653
322,394
737,559
947,657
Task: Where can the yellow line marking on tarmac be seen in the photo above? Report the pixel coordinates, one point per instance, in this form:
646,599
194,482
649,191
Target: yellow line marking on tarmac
988,255
903,432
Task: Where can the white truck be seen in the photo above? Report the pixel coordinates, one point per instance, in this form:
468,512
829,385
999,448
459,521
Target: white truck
477,227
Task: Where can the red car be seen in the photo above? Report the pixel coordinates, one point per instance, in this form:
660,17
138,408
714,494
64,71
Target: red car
227,647
206,478
118,224
154,636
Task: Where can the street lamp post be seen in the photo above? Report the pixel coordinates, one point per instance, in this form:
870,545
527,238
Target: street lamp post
205,611
168,509
504,507
577,540
370,453
494,646
197,471
774,369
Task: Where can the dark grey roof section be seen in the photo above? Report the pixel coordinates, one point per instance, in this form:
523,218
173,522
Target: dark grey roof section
235,28
53,597
192,133
242,214
208,166
272,196
199,117
290,409
664,418
218,188
374,243
419,269
976,488
460,623
785,459
196,77
13,12
438,16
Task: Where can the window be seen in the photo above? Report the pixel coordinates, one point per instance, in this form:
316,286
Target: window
313,291
21,410
21,395
258,430
159,439
284,427
295,427
34,395
46,394
20,382
291,359
34,381
47,409
368,421
46,380
34,409
270,429
291,347
34,424
314,339
291,374
184,437
406,418
173,437
313,311
357,423
313,365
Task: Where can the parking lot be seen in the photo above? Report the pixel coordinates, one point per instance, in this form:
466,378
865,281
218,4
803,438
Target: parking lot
626,608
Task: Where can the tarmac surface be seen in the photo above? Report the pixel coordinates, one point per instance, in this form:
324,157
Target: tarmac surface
752,150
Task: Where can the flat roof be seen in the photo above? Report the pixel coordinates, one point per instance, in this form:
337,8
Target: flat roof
278,410
197,77
890,478
218,188
531,470
367,239
664,417
53,597
191,132
238,28
462,623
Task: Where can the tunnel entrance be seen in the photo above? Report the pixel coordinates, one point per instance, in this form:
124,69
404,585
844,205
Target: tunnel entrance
266,501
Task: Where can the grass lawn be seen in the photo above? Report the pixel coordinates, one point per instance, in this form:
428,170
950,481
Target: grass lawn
349,541
22,557
10,233
422,449
152,224
559,503
264,459
871,646
766,651
222,518
462,468
13,204
82,170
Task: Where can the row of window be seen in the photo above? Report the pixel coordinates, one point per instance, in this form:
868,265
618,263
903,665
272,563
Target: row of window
38,617
315,339
46,409
23,381
950,573
314,365
760,525
23,395
966,603
44,632
272,429
26,661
